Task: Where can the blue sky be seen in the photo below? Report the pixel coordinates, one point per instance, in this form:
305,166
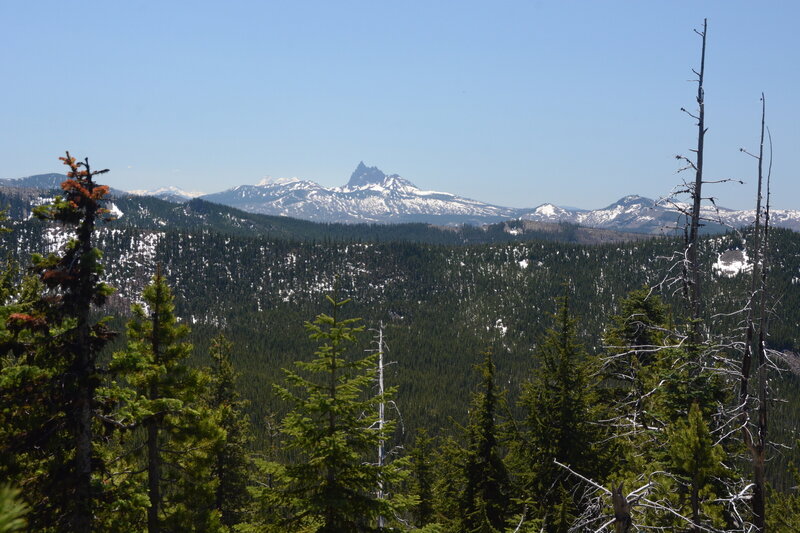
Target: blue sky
514,103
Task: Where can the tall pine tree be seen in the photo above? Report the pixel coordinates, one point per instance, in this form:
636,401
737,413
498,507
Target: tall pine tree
485,503
331,431
180,432
561,415
50,376
232,467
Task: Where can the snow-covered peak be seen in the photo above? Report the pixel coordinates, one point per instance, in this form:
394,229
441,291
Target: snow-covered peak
369,196
632,201
168,191
547,211
270,181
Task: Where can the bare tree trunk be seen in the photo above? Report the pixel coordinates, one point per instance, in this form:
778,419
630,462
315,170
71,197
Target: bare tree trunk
381,418
694,228
759,461
622,510
758,296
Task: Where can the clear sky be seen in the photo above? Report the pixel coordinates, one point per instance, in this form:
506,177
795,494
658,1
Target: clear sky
515,103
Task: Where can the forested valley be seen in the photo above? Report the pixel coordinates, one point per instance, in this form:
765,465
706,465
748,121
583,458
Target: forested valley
191,379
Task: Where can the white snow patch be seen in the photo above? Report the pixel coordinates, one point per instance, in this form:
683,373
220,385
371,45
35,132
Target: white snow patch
524,263
115,210
731,263
500,327
55,238
546,210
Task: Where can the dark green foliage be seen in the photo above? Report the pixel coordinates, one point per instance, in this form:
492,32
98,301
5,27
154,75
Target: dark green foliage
180,432
636,344
449,482
695,461
50,375
561,424
485,501
421,460
783,508
331,432
232,467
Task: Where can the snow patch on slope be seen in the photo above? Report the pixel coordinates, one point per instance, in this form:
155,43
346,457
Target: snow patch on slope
730,263
116,212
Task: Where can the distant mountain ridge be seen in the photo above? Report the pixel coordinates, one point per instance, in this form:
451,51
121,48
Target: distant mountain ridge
371,196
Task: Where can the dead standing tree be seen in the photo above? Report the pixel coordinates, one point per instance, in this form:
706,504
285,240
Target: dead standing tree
703,357
693,274
756,322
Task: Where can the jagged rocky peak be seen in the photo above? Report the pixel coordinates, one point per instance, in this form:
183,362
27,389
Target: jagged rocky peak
364,175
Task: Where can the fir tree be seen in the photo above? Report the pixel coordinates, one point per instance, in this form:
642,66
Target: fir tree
332,430
232,465
422,477
180,432
50,376
561,418
449,482
695,461
486,500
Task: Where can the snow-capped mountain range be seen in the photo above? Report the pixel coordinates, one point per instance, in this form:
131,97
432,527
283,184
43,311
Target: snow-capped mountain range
369,196
373,197
170,194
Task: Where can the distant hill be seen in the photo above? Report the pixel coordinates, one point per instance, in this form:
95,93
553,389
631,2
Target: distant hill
39,181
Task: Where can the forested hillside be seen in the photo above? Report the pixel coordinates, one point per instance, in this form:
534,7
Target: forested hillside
442,305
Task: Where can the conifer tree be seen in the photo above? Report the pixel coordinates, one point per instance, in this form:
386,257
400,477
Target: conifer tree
180,432
486,500
50,378
695,461
635,341
422,477
332,432
561,418
449,482
232,465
